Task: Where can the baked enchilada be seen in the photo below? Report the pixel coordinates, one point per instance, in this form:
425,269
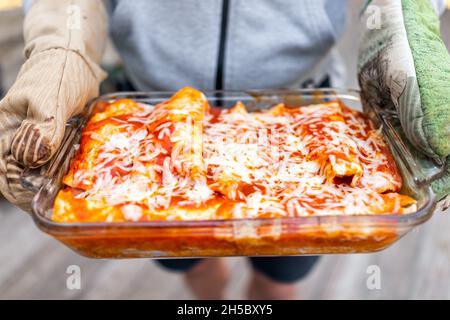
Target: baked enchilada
186,160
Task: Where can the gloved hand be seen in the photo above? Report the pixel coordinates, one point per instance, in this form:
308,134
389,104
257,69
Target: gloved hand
64,42
405,66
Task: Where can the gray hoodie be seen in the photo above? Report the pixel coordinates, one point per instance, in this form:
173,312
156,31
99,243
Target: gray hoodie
228,44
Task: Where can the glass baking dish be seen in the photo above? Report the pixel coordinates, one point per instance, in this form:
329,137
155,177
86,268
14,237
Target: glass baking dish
258,237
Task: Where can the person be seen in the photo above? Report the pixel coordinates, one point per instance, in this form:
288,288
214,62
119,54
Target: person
222,44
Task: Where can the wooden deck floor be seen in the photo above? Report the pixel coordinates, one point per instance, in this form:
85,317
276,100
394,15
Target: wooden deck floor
33,265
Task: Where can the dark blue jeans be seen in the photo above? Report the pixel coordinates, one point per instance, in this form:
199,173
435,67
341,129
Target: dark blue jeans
280,269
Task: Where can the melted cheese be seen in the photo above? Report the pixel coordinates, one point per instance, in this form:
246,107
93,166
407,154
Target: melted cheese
182,160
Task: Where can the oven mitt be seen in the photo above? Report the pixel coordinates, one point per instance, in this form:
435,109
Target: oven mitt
64,42
404,66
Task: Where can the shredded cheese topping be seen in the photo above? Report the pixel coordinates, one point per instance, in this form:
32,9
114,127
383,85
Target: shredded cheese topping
185,160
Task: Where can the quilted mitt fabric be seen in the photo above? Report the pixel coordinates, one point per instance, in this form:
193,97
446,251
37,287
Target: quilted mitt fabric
405,66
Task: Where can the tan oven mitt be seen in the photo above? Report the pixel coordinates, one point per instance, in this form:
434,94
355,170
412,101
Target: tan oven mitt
64,44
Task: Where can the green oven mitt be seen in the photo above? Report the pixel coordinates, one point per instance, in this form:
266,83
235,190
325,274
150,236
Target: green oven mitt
404,66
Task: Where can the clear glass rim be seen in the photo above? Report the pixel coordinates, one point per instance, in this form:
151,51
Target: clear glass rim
410,219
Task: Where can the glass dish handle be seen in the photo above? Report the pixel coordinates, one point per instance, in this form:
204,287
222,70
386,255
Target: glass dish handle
425,170
34,179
